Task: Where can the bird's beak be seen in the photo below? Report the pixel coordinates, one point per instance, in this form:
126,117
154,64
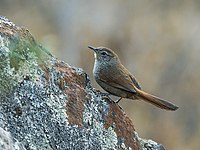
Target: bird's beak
93,48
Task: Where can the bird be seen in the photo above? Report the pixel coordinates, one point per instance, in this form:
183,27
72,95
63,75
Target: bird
114,78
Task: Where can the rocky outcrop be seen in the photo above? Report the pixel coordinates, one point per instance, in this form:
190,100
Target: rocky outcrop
47,104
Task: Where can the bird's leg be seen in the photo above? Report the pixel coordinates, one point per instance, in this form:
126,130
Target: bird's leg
106,95
117,101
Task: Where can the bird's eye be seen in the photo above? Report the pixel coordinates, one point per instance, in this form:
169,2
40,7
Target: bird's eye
104,53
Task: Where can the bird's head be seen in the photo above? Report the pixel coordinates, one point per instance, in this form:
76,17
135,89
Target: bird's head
104,55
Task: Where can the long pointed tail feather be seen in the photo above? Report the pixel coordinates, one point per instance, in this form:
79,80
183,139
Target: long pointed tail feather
161,103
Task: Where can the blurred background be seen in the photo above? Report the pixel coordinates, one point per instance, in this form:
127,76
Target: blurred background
158,41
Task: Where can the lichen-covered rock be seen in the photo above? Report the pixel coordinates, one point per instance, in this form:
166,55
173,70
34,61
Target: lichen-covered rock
46,104
7,142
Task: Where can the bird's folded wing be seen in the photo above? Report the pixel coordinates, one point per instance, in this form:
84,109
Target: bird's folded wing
135,82
120,82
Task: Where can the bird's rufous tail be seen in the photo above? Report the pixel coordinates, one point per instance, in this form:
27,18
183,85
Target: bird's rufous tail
161,103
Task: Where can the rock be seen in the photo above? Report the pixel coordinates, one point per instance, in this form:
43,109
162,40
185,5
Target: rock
7,143
47,104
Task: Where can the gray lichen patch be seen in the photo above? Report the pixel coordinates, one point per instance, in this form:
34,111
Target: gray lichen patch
42,113
35,112
94,116
7,142
7,80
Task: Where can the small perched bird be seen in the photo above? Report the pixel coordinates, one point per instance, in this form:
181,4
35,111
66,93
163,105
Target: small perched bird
114,78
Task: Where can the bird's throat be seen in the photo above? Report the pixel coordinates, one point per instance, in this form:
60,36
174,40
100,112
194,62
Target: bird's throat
95,55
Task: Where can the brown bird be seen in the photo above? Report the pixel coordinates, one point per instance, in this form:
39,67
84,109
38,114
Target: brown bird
114,78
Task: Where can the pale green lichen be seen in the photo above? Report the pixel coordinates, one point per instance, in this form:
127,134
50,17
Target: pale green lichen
19,58
22,50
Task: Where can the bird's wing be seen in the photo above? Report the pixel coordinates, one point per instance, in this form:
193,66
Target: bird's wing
122,80
123,86
135,82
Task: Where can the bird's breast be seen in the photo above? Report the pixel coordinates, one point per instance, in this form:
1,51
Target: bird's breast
96,69
100,70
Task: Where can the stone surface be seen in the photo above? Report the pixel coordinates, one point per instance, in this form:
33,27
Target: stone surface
7,143
47,104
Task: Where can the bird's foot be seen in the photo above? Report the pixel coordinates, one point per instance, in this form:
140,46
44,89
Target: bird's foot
107,95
